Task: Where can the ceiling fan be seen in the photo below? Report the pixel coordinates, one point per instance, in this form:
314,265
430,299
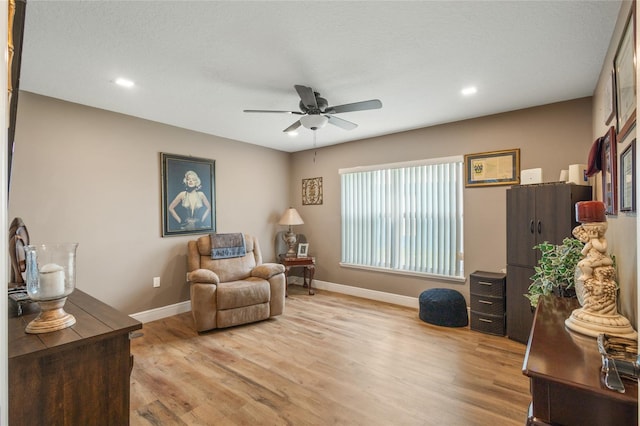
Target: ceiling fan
316,112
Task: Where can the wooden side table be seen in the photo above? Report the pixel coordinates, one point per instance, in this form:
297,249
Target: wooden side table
309,265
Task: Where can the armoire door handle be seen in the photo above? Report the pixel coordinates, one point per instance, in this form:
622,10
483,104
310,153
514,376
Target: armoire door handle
531,227
539,227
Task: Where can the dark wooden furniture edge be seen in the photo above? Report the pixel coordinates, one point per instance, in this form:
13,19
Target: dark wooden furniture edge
106,322
565,373
76,376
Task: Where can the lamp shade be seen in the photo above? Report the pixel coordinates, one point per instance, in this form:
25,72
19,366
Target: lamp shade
291,217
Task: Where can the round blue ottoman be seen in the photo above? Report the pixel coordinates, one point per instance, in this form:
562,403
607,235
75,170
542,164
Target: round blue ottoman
443,306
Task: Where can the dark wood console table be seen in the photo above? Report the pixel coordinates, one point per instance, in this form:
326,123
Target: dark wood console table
309,265
76,376
564,371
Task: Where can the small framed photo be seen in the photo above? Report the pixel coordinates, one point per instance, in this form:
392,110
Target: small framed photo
609,172
628,178
188,195
303,249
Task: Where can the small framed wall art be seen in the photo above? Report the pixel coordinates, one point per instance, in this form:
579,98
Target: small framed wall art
188,195
609,172
312,191
628,178
492,168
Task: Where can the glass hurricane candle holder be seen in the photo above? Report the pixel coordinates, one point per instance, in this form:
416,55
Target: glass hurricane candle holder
50,278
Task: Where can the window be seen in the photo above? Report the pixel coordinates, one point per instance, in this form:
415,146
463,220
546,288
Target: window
404,217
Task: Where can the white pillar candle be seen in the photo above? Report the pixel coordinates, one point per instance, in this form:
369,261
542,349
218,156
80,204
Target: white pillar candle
51,277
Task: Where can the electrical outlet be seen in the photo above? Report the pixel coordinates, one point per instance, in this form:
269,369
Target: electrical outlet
156,281
187,278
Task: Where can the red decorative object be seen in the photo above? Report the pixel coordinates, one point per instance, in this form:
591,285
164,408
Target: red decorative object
590,211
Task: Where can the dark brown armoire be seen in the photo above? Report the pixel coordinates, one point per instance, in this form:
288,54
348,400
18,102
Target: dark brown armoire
535,213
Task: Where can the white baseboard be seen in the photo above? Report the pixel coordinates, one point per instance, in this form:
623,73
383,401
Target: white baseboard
380,296
163,312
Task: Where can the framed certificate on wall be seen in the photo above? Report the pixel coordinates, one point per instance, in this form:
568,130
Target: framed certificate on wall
492,168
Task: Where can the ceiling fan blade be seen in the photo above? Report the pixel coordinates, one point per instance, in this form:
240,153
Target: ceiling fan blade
273,111
347,125
356,106
307,96
293,127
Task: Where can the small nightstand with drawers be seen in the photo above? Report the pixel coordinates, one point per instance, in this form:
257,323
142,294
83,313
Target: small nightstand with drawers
488,302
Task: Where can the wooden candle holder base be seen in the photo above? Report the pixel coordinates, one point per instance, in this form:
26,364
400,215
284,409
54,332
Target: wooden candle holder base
52,318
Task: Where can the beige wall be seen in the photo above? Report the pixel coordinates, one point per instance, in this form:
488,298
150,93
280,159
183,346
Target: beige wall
550,137
622,232
90,176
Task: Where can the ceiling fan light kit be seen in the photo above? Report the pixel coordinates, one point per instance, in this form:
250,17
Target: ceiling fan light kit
316,112
314,122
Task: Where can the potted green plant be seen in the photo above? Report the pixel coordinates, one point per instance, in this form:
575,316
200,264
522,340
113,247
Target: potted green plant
555,272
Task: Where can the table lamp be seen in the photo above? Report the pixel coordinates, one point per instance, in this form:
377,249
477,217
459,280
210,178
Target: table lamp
290,218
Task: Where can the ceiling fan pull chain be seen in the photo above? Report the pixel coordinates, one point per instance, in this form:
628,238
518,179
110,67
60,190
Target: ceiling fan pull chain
314,146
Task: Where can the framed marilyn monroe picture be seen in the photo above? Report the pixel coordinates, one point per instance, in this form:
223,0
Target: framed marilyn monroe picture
188,195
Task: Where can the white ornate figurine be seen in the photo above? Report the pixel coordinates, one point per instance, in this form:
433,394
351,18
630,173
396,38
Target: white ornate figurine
594,252
595,278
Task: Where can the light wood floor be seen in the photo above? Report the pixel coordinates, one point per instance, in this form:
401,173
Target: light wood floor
330,359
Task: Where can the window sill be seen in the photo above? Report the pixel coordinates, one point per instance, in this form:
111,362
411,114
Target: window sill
401,272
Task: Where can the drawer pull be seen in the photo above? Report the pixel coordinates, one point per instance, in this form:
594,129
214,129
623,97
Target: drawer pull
485,283
484,320
486,302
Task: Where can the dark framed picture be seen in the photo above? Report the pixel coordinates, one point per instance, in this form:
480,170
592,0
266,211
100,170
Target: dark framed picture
624,67
628,178
609,172
188,195
492,168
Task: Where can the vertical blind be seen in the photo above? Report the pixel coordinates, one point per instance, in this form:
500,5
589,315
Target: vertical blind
404,217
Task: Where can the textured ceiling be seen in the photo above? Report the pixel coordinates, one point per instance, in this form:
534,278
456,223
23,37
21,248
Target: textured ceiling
198,64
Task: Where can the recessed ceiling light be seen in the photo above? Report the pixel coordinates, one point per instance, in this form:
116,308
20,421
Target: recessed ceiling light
468,91
124,82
